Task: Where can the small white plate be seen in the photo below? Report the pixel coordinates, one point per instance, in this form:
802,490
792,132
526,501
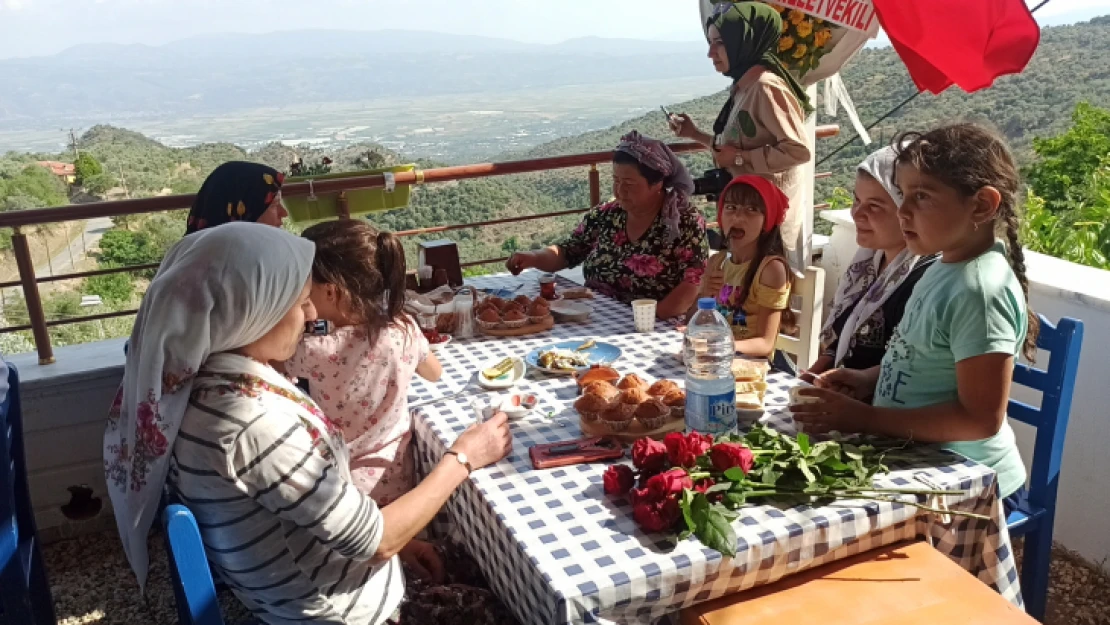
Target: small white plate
435,347
484,411
571,310
508,380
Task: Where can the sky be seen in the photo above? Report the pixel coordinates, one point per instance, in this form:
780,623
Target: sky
42,27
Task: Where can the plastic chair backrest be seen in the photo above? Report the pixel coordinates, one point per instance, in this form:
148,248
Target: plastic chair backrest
1056,384
24,590
810,290
192,579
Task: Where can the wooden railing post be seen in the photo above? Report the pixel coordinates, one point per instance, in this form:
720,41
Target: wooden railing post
595,186
31,296
342,210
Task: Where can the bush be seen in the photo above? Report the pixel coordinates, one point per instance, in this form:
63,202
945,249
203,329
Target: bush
115,289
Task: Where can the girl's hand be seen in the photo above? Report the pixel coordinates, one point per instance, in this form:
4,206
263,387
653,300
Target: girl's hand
833,411
422,558
682,126
854,383
520,261
725,155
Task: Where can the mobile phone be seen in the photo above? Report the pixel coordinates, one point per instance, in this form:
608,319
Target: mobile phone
320,327
667,113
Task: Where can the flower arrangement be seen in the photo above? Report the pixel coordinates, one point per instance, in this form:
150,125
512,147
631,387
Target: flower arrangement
804,39
299,168
694,484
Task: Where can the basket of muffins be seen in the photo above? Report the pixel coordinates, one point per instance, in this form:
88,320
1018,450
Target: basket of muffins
628,407
519,316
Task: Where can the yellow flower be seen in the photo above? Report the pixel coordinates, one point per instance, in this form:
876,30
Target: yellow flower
785,26
796,16
780,9
268,178
241,209
821,37
800,51
786,43
805,28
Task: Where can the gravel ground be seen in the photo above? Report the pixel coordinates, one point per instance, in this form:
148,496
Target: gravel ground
93,584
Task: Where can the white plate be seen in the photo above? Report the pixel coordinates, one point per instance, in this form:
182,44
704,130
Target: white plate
435,347
571,310
506,381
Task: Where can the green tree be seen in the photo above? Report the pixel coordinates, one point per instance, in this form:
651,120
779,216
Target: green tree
123,248
87,167
1066,162
115,289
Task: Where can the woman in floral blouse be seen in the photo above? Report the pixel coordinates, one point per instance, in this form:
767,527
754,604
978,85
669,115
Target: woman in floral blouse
647,243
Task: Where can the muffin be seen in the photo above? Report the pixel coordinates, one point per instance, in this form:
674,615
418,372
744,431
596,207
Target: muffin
591,406
496,301
523,300
615,418
676,401
661,388
488,305
489,319
632,381
514,319
509,307
653,413
602,388
597,373
631,398
538,311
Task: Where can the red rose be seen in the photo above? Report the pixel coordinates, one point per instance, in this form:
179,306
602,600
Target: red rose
656,517
668,484
618,479
725,456
649,455
683,451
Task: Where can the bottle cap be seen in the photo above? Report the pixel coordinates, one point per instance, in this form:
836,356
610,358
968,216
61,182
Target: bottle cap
707,303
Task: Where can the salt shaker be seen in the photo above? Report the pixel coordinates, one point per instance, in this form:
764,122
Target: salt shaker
464,313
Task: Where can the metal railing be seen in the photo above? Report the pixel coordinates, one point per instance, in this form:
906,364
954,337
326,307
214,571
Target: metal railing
18,220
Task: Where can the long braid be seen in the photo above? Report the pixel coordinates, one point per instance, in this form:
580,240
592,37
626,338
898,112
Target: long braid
1016,255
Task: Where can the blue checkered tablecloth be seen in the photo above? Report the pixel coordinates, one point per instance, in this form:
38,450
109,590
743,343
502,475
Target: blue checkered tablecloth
558,550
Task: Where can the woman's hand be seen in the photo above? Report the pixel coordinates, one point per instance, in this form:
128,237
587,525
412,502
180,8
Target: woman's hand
486,443
684,127
520,261
423,559
854,383
832,411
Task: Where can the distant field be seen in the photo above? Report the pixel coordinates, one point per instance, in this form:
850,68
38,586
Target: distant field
445,128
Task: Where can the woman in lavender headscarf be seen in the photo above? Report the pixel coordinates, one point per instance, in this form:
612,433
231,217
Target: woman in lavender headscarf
646,243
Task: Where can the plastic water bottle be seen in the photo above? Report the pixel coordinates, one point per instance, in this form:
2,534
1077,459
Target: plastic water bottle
710,385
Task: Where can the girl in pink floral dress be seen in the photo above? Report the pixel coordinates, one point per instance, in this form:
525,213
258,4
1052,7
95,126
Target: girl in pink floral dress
359,374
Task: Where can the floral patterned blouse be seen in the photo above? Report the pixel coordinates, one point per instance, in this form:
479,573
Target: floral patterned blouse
649,268
363,388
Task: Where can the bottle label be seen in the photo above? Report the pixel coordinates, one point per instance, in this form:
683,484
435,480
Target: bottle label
711,413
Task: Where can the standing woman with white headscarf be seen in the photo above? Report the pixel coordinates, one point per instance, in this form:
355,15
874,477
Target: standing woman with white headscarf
263,470
872,294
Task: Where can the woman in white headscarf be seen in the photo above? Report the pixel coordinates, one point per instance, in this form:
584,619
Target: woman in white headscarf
872,294
263,470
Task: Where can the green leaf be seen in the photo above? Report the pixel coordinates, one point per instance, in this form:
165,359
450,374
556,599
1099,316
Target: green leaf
717,488
803,443
736,474
716,532
852,451
735,499
803,466
687,513
770,476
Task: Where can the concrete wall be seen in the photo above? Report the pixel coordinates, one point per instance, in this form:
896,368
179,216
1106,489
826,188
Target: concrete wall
1057,289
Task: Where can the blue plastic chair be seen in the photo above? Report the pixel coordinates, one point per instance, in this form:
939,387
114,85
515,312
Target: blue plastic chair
24,589
1034,520
193,588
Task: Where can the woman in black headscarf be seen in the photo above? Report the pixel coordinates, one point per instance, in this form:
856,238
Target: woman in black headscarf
238,191
761,129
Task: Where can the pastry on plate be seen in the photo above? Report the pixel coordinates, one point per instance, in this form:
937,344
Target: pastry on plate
591,406
632,381
631,398
653,413
602,388
514,319
661,388
538,310
615,418
676,401
597,373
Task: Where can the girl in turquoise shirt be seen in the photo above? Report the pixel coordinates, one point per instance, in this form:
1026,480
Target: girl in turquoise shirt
945,377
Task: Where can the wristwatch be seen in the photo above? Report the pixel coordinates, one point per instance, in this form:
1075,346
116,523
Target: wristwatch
463,460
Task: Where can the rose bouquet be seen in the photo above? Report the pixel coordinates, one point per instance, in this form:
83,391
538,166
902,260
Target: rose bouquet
694,484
